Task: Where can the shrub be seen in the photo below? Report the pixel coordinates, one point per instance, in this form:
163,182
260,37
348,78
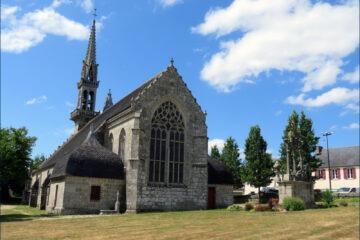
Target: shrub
262,207
234,207
343,203
327,198
293,204
248,206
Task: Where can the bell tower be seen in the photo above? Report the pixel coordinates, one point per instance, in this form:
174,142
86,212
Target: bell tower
87,86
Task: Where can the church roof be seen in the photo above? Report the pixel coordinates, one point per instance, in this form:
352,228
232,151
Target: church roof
59,158
218,173
91,159
341,157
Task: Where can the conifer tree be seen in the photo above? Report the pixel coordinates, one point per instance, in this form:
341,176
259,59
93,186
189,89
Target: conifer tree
258,167
215,153
301,140
231,158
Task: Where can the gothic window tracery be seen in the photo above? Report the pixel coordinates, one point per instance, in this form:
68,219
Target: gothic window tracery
167,145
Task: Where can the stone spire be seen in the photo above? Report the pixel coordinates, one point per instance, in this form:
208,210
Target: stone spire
87,86
108,101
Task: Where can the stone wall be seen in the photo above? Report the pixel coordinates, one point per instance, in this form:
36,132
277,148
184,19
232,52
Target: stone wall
77,194
192,194
56,205
224,195
300,189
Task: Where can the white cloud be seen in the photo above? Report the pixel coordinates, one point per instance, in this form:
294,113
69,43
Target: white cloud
285,35
37,100
339,96
20,34
352,126
352,77
169,3
218,142
87,5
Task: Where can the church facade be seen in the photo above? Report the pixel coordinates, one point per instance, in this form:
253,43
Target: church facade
148,152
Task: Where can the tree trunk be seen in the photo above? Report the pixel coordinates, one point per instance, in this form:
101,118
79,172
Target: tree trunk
259,195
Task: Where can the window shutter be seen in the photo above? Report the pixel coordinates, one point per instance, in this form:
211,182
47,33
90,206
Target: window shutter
353,171
331,174
338,173
345,173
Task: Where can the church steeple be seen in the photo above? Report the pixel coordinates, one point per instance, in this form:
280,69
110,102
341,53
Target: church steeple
108,101
87,86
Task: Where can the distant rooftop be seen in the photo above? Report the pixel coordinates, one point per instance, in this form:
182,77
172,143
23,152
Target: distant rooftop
341,157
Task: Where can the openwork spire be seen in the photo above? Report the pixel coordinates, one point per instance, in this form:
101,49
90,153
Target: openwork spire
91,50
108,101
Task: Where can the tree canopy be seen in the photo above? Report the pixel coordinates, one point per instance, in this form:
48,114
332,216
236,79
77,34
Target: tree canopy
258,167
231,158
15,150
300,138
215,153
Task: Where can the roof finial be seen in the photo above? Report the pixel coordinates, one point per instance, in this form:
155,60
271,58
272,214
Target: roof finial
94,13
171,62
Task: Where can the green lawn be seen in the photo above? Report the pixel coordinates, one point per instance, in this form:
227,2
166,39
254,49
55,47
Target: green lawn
334,223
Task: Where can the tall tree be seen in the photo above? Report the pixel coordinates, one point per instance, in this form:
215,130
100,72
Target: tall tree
231,158
308,142
15,150
215,153
300,138
36,162
258,167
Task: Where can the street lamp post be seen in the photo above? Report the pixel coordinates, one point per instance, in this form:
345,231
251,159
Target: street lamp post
326,134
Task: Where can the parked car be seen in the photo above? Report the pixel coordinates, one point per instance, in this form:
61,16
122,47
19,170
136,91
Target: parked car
268,192
346,190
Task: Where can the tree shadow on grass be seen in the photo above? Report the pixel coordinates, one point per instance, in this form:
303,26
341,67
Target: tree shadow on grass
21,217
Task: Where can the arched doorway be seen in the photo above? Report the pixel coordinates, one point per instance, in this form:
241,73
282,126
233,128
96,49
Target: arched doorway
34,194
45,193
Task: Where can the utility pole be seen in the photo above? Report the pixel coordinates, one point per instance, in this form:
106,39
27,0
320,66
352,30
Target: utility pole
326,134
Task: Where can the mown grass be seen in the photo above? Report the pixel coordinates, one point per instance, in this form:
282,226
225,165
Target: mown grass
332,223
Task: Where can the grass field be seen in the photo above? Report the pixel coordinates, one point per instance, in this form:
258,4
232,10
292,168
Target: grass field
21,222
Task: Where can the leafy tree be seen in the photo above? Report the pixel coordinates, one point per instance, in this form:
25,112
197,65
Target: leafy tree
300,138
308,142
36,162
215,153
231,158
258,167
15,150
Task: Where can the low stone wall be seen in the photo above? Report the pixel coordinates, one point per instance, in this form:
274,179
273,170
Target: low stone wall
77,194
224,195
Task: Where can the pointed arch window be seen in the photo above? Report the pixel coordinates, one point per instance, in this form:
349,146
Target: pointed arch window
167,145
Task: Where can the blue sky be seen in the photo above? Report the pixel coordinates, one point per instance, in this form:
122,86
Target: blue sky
247,62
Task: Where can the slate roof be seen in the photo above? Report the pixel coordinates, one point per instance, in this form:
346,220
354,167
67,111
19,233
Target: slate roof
91,159
60,157
218,173
341,157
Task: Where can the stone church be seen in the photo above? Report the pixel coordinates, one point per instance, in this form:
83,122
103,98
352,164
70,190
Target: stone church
147,152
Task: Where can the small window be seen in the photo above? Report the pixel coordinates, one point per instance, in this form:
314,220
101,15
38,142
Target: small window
95,193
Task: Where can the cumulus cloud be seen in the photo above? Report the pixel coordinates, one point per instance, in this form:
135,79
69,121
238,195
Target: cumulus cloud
285,35
218,142
352,77
87,5
36,100
169,3
339,96
18,34
352,126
